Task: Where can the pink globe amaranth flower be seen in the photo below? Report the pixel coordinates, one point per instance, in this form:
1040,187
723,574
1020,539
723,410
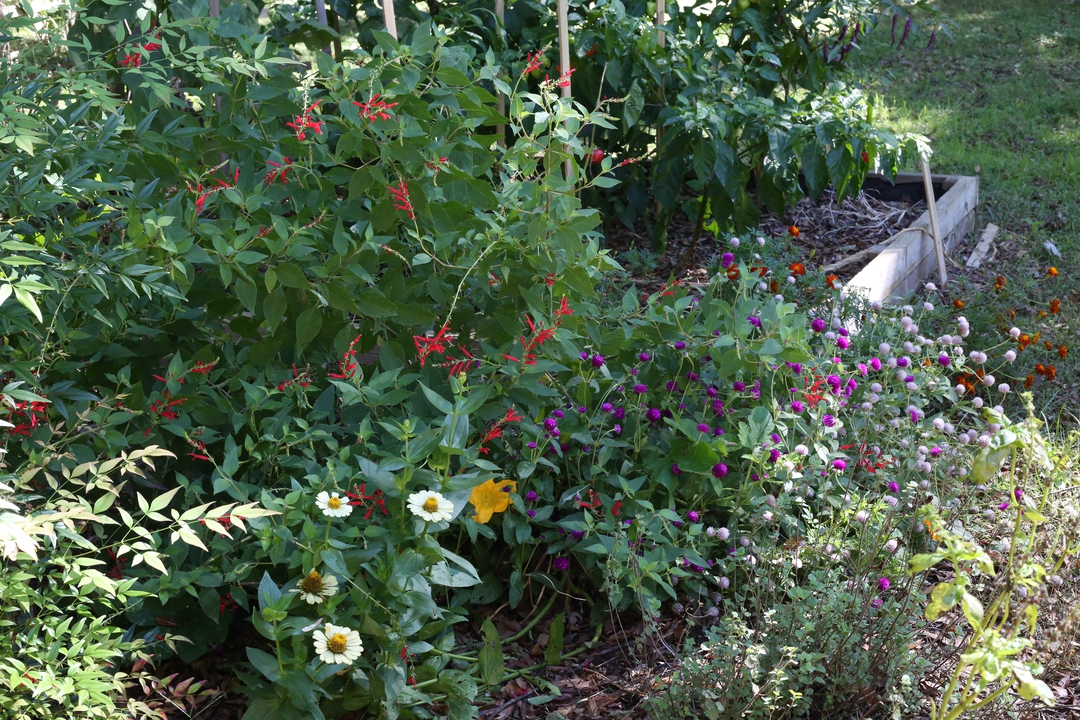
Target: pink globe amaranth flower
818,325
843,343
562,563
876,603
883,584
875,363
719,470
1003,506
839,464
894,486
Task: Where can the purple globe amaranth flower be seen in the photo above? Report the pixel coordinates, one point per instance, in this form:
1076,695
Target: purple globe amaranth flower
577,534
619,413
755,321
607,407
718,432
828,421
862,369
550,424
894,486
558,413
738,386
532,445
1018,492
843,332
531,496
883,584
775,438
902,362
726,260
584,355
818,325
935,451
702,427
1003,506
562,563
692,376
652,414
531,513
597,361
843,343
643,357
795,368
680,345
693,516
774,455
640,389
797,406
839,464
675,469
618,429
719,470
875,363
712,392
671,385
944,360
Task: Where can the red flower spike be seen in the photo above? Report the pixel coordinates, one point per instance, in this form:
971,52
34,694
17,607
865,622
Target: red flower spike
401,198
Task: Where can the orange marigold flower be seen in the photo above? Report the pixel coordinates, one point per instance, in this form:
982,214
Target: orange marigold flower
1052,272
774,286
1051,372
1024,340
958,304
831,280
733,272
1063,351
1055,306
999,282
793,231
1047,345
1042,314
797,269
1037,337
1029,381
759,269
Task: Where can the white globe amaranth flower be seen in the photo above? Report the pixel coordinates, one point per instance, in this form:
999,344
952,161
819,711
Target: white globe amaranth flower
862,516
332,504
733,242
802,449
1003,388
1014,332
977,402
761,241
337,645
1010,355
876,305
988,380
928,306
430,506
314,587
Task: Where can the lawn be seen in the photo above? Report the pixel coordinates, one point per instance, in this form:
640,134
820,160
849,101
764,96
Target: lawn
998,99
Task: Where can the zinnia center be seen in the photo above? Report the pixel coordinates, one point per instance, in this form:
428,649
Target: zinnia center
336,643
431,505
312,583
334,503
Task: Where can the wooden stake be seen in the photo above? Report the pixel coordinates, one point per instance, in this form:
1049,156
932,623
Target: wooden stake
931,205
564,63
320,15
660,20
388,17
500,15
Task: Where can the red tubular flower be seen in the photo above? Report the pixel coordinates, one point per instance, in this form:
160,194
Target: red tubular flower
151,46
375,108
348,364
131,60
303,123
428,345
532,62
279,171
401,198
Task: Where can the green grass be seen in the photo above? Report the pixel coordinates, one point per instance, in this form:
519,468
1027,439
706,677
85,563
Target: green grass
999,99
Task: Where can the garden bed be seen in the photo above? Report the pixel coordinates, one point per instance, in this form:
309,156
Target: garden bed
878,240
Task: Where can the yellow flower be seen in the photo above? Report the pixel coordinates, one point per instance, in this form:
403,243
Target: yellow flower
490,497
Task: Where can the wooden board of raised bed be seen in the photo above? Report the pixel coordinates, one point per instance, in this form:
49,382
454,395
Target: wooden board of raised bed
908,259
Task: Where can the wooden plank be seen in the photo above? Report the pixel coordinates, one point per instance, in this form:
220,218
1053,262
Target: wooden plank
564,65
660,20
870,251
910,257
985,243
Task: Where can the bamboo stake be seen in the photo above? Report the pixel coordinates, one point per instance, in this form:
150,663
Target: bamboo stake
564,63
931,205
389,18
500,15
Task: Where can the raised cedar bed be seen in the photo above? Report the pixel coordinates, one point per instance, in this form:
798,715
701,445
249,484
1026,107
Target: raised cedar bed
908,259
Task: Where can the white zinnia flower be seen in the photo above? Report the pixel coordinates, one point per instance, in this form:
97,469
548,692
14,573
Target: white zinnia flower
431,506
338,645
332,504
315,588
